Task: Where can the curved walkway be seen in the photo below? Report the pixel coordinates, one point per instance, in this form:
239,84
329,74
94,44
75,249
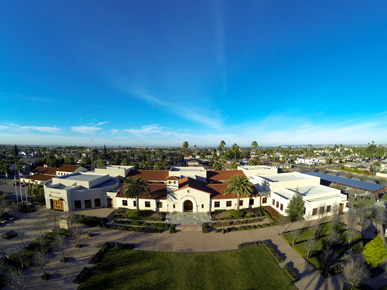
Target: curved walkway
183,241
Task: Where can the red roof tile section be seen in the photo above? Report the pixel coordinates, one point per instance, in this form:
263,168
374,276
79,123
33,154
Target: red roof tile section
45,170
40,177
150,175
157,191
223,175
68,168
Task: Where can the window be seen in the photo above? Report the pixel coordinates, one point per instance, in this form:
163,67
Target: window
125,203
169,182
277,204
217,204
240,202
97,202
228,203
282,207
88,203
173,206
77,204
147,204
273,202
251,202
202,205
159,204
134,203
264,200
329,207
314,212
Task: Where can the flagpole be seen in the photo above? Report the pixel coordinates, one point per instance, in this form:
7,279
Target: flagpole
21,193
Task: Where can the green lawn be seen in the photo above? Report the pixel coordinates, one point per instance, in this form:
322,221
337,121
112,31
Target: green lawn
247,268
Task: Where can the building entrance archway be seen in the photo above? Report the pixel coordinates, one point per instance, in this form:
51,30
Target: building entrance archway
188,206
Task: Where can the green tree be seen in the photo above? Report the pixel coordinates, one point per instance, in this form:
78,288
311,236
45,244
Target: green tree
222,145
254,145
185,146
235,149
134,187
36,193
240,186
217,166
295,207
375,252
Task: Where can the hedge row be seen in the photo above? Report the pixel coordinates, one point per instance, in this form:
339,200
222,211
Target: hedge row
142,223
135,229
237,222
267,245
242,228
290,272
92,221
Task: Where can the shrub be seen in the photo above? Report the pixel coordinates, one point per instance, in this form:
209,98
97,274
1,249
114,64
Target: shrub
172,229
83,275
45,276
358,247
90,235
292,275
234,214
205,228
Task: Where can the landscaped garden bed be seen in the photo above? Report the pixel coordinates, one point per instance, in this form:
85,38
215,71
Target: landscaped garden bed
149,215
220,215
237,269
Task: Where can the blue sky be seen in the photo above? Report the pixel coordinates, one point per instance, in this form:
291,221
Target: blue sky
158,73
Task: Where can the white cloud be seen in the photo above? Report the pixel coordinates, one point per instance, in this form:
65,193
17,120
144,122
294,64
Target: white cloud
85,129
3,127
197,115
41,129
148,130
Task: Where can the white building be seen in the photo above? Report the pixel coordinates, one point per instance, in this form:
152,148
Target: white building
80,191
280,189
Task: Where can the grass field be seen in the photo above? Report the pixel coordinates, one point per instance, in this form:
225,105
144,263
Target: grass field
247,268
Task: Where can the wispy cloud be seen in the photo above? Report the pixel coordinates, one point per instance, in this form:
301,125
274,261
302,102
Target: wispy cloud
44,129
41,129
85,129
148,130
190,113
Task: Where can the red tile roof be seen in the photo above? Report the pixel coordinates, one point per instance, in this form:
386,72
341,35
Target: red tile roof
157,191
45,170
68,168
223,175
150,175
40,177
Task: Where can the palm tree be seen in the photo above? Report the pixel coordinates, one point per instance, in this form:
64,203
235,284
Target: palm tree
240,186
255,146
134,187
235,148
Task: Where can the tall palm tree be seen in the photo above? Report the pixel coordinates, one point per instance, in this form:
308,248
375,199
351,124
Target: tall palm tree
134,187
240,186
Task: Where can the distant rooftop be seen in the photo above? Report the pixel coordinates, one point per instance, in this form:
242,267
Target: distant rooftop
81,177
286,177
349,182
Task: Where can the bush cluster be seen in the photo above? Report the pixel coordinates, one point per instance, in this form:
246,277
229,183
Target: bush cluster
142,223
135,229
92,221
242,228
237,222
172,229
290,272
205,229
